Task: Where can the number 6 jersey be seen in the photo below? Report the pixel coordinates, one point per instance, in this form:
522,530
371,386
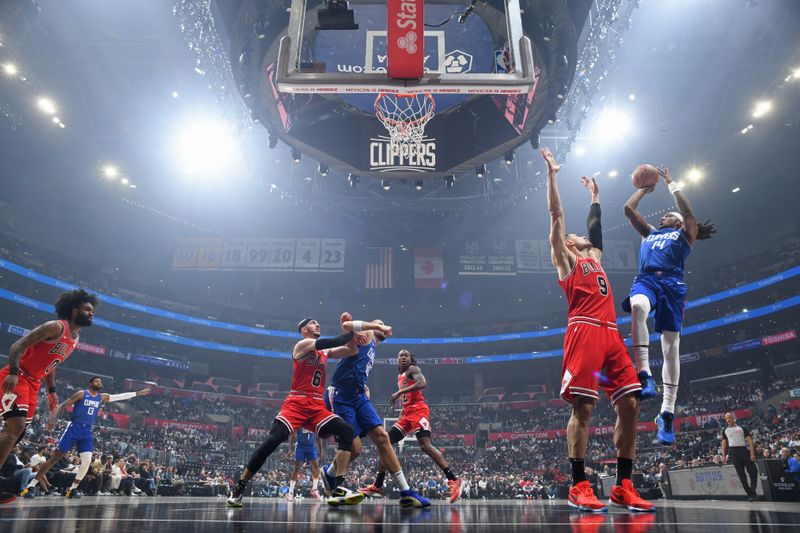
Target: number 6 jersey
308,378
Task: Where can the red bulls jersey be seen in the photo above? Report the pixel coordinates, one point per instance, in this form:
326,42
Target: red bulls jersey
43,357
308,378
409,398
589,292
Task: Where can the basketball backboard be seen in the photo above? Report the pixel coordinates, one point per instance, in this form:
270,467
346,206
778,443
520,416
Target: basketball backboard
465,48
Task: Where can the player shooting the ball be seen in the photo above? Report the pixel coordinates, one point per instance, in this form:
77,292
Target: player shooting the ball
659,285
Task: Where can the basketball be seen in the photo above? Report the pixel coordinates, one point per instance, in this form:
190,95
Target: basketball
644,176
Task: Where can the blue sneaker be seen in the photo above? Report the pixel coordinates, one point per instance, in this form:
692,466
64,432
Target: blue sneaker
411,500
666,433
648,386
328,481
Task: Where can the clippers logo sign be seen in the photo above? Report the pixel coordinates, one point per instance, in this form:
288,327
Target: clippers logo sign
405,38
406,157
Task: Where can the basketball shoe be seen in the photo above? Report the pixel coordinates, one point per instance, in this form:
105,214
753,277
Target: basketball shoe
372,491
581,496
455,490
411,500
666,432
626,496
342,496
74,494
648,386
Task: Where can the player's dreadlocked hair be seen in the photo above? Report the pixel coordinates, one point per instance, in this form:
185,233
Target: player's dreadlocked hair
705,230
73,300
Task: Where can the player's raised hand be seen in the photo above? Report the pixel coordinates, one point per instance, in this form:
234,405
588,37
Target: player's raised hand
386,330
360,340
143,392
663,171
591,186
345,317
550,159
10,383
51,423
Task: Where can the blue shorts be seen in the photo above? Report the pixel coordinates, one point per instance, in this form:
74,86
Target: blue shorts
79,435
667,295
356,410
305,454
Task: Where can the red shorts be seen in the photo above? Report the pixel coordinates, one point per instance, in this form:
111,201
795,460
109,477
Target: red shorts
594,355
304,412
415,418
23,400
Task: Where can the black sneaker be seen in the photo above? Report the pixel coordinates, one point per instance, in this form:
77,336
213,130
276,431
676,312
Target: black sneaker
74,494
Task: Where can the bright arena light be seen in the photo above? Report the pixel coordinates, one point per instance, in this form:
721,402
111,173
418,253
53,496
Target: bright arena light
10,69
46,105
110,171
694,175
612,125
796,73
205,147
762,108
125,181
579,150
736,189
613,174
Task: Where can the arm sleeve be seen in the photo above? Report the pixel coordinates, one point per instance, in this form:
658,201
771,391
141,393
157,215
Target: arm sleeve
594,227
746,432
724,436
121,396
341,340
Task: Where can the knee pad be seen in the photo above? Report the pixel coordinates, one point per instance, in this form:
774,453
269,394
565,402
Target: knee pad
343,431
395,435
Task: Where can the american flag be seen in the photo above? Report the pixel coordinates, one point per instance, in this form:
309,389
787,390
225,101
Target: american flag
380,268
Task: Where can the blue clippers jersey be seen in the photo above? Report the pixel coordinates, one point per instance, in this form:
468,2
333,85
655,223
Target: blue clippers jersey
85,411
352,372
305,438
664,250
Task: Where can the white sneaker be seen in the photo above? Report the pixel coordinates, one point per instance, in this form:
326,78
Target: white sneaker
342,496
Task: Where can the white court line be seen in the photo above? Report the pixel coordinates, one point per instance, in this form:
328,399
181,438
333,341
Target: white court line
337,523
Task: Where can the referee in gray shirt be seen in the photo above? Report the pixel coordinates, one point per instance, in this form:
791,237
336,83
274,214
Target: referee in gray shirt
737,441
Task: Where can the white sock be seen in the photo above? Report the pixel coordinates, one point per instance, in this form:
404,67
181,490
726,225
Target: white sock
291,487
671,371
400,479
314,483
640,337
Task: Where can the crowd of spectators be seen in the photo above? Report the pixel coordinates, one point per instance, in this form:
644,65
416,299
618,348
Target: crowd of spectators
176,460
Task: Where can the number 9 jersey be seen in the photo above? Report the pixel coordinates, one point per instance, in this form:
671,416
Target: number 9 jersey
594,354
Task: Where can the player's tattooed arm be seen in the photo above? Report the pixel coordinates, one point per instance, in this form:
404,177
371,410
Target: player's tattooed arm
48,331
72,400
415,374
634,216
562,258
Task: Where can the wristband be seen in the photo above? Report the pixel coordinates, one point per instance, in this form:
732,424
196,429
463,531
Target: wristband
673,187
358,325
13,370
51,390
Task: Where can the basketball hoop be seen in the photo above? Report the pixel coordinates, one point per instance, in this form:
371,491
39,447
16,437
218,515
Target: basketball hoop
404,115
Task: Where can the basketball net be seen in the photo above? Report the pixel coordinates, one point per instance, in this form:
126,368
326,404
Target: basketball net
404,115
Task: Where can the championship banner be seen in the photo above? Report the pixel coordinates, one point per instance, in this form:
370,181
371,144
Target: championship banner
488,258
528,258
405,46
619,256
428,268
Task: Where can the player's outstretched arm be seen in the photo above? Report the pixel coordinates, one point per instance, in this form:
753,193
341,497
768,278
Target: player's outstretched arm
562,258
361,325
594,227
685,208
123,395
306,346
72,400
348,350
634,216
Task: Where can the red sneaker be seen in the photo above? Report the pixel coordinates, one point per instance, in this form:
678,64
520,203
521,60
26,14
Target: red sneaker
315,494
455,489
581,496
371,491
626,496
